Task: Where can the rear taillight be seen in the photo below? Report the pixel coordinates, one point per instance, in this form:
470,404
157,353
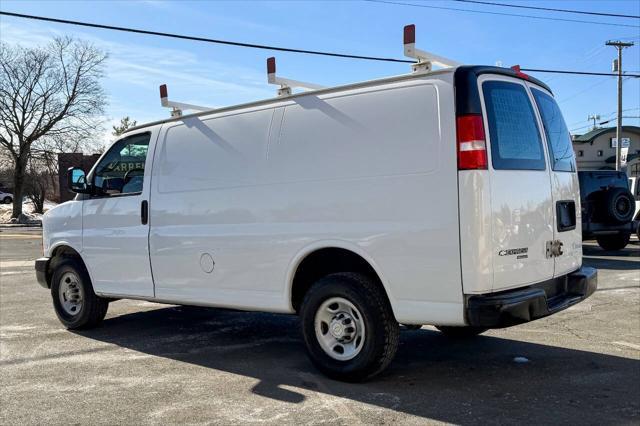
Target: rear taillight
472,148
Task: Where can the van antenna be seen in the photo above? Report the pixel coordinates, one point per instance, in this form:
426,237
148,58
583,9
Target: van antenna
425,59
286,84
177,107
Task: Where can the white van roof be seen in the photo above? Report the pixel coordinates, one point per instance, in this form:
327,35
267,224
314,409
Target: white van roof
349,86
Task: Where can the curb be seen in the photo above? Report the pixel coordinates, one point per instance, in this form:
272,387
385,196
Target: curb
20,225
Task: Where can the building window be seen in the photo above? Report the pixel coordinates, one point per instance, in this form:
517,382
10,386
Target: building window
581,153
599,153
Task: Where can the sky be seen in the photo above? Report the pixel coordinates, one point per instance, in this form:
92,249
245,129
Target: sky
216,75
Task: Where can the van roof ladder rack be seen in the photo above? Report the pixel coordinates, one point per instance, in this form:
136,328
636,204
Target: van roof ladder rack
286,84
177,107
425,59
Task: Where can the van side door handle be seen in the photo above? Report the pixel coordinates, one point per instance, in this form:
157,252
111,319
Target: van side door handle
144,212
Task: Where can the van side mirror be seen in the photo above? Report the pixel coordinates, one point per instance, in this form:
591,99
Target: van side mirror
77,181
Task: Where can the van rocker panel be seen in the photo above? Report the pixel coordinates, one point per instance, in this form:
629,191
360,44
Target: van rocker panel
512,307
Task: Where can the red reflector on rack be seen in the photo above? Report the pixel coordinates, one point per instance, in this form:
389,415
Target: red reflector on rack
271,65
409,34
472,148
520,74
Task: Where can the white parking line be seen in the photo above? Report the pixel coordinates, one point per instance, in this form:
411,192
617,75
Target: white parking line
628,345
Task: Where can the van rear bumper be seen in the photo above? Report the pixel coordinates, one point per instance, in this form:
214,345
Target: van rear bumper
512,307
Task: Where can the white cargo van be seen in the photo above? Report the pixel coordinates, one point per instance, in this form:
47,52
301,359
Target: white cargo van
447,198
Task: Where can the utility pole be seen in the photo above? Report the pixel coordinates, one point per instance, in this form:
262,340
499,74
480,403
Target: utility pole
594,117
618,67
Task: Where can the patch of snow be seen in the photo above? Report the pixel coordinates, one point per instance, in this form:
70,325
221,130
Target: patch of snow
27,211
520,360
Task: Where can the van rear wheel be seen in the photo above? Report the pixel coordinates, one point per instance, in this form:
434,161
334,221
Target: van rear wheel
613,242
348,327
75,303
460,332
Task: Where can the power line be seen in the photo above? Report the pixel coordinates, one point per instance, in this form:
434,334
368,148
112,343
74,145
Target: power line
624,116
203,39
547,18
266,47
604,116
550,9
577,72
585,90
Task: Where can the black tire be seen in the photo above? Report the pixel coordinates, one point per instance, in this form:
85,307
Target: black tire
380,340
91,310
460,332
620,205
7,200
613,242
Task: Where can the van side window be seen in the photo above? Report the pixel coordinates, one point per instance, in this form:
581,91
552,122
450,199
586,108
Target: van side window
558,136
515,139
121,170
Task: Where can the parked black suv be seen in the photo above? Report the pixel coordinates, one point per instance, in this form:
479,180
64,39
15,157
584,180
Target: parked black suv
607,208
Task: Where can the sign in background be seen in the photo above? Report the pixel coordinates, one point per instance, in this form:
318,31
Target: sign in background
625,142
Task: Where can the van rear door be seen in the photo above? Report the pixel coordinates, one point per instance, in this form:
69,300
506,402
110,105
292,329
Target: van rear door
522,213
565,190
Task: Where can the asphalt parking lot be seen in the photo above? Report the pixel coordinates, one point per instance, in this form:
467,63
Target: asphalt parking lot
152,363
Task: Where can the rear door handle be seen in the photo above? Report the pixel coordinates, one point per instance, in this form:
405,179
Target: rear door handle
566,215
144,212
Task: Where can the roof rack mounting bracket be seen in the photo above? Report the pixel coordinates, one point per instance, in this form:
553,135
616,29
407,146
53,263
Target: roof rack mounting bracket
286,84
425,59
177,107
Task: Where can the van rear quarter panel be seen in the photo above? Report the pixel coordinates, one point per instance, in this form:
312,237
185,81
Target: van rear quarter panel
372,169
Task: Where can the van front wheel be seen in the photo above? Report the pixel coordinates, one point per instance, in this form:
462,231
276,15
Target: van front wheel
75,303
348,327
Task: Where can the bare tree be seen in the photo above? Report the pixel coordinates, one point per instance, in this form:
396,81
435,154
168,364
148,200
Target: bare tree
40,180
125,124
49,96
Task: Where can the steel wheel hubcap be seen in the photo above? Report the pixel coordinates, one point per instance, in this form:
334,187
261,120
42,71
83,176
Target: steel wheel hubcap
70,293
339,328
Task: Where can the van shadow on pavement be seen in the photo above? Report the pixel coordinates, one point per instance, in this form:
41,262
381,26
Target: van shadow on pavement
627,259
432,376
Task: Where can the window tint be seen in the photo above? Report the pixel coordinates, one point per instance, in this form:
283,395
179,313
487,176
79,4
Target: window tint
558,137
515,139
121,170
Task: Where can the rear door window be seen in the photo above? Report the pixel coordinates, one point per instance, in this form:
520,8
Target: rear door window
558,138
515,138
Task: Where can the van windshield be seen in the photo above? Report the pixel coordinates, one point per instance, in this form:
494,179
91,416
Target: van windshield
515,139
555,129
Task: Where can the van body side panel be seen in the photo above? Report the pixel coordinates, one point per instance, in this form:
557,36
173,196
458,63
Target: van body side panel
208,239
373,168
380,166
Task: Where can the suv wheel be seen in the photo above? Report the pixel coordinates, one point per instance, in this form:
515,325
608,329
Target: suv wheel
75,303
348,327
620,205
7,200
460,332
613,242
